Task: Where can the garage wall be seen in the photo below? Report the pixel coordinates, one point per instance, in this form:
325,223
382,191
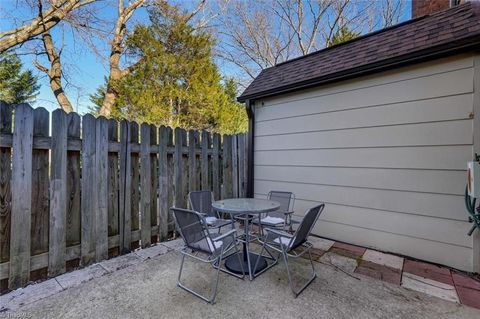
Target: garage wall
387,154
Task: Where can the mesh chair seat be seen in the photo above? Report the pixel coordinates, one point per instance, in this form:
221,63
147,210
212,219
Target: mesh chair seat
193,229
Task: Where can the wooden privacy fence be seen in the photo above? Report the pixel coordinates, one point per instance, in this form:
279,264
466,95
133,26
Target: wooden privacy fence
95,187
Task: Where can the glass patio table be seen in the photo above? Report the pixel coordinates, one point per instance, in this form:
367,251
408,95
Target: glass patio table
244,207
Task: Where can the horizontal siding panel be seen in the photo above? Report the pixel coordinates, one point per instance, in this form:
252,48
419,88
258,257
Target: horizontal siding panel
438,109
430,157
454,256
431,181
400,74
438,133
437,85
425,204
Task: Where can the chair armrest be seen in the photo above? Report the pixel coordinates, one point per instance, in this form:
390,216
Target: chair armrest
289,213
229,233
278,232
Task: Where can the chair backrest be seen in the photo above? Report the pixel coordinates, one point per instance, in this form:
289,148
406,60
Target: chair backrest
201,201
286,200
306,226
192,228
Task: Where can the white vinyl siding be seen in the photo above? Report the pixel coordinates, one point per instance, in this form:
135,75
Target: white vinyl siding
386,152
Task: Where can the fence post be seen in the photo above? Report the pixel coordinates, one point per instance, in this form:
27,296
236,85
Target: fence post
241,166
21,196
58,195
234,166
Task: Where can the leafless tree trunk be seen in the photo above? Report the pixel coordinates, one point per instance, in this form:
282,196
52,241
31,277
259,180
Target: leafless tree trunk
46,19
54,73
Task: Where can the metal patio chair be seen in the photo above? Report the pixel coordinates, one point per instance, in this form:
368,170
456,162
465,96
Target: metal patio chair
201,201
199,242
281,217
293,245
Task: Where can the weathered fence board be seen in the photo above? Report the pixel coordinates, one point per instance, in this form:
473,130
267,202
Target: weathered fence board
5,176
163,183
216,166
89,197
101,187
58,195
80,189
113,191
145,188
125,188
21,196
40,185
73,184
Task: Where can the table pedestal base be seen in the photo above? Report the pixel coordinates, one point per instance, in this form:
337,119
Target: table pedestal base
233,264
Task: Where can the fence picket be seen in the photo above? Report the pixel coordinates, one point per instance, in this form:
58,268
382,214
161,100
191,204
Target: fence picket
192,160
21,196
125,158
216,166
163,183
73,184
89,197
58,195
227,167
5,176
145,188
40,185
102,190
234,166
113,191
101,170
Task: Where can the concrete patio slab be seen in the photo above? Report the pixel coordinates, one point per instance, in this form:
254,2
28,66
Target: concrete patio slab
175,244
152,251
120,262
77,277
321,243
430,287
148,290
29,294
383,259
342,262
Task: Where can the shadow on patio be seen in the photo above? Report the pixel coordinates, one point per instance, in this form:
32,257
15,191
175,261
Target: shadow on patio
143,285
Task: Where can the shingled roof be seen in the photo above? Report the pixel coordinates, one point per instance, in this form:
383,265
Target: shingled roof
439,34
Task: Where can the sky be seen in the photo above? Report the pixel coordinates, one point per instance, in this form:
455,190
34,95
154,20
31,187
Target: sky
85,70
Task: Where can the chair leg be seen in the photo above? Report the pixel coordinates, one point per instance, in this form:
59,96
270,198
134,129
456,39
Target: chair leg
210,300
310,280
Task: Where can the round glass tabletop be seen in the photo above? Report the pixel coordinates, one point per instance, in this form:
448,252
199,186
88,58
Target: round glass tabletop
245,205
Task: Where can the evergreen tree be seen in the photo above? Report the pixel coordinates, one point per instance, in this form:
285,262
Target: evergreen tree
343,34
16,86
176,81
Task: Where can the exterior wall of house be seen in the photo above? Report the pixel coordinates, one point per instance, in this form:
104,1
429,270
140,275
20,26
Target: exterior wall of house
387,153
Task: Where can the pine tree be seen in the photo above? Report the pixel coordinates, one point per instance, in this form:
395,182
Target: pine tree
16,86
343,34
176,81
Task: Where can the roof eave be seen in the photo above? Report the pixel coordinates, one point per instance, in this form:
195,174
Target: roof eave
443,50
